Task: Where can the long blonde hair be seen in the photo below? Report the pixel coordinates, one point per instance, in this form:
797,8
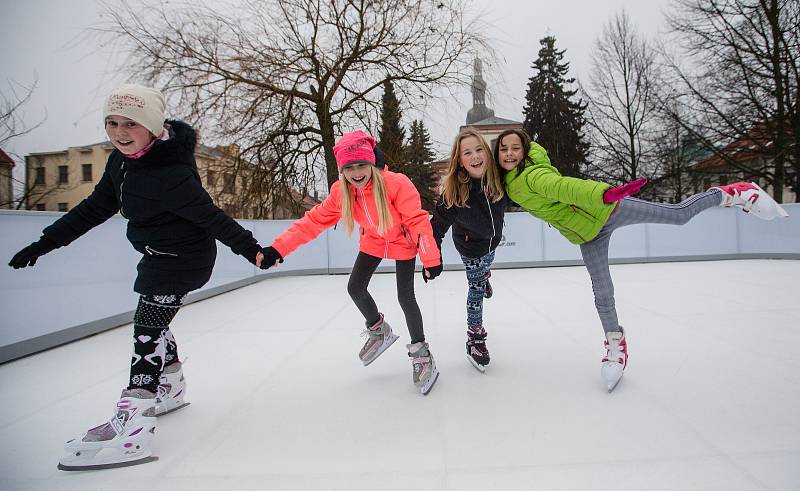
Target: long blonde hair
381,203
457,180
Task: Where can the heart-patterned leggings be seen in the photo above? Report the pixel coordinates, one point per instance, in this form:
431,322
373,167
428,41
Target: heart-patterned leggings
153,343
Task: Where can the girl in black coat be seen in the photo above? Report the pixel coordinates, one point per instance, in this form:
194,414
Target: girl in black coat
473,203
151,178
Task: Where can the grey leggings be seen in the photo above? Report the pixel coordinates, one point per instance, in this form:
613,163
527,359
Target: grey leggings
631,211
363,269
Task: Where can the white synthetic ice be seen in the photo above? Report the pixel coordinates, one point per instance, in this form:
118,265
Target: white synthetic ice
281,401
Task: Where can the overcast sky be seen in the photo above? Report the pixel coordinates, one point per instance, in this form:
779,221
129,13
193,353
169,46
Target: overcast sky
47,39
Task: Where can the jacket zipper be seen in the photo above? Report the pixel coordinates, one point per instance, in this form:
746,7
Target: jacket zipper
124,174
372,224
491,219
154,252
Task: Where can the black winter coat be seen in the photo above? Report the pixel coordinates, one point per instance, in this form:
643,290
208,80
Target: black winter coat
477,229
171,218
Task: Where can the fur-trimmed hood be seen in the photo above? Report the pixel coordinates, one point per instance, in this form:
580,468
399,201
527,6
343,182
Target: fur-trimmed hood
177,149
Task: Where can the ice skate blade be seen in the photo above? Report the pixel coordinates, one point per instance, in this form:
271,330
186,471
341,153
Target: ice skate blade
164,413
386,343
478,366
424,389
612,384
769,210
97,467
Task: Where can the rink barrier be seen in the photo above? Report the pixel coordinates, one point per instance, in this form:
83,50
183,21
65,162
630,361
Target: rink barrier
86,288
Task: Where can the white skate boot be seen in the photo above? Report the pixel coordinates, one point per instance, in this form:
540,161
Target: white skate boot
379,337
752,199
616,358
123,441
424,366
171,389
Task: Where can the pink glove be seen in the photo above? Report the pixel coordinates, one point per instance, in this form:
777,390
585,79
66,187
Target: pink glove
615,194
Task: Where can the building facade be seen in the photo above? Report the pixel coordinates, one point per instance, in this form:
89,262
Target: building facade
59,180
6,180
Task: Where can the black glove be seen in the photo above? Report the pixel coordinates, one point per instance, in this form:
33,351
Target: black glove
29,255
433,271
270,257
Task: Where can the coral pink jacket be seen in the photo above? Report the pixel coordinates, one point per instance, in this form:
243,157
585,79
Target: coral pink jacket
410,233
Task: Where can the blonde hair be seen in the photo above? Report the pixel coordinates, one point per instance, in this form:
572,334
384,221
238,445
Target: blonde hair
457,180
381,203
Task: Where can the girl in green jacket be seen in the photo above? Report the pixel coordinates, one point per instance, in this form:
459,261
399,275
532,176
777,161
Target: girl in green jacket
587,213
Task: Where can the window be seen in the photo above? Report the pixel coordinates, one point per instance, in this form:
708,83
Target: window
39,176
211,178
228,183
40,207
63,174
86,172
62,207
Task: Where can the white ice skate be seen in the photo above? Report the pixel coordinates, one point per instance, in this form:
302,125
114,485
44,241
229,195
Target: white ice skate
379,338
121,442
425,372
616,358
752,199
171,390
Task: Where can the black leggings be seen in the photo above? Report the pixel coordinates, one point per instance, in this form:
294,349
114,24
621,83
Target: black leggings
363,269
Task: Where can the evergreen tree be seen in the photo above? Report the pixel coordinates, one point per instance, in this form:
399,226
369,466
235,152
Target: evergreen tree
419,156
552,117
391,135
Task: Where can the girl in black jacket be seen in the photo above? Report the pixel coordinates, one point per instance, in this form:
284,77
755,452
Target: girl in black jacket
152,180
473,202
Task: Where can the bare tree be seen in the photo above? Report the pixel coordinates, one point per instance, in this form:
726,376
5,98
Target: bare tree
283,77
12,125
621,106
737,83
12,122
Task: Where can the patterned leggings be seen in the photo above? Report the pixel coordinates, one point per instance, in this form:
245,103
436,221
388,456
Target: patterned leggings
478,272
630,211
154,345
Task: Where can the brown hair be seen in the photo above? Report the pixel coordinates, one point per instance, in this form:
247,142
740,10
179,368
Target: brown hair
457,180
526,144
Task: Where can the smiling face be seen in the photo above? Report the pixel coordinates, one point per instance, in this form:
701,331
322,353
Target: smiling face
510,152
358,174
127,135
472,156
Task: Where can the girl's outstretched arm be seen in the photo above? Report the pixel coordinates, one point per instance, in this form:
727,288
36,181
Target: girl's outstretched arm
305,229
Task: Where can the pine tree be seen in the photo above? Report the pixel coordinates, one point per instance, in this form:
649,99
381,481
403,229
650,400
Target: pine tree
552,117
419,156
391,135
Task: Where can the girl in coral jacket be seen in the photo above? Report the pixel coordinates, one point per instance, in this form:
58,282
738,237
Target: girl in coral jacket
392,225
587,213
473,203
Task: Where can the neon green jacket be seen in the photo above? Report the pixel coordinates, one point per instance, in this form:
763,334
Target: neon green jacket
573,206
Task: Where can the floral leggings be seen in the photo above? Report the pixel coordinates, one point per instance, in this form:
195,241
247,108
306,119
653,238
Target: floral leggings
478,272
154,345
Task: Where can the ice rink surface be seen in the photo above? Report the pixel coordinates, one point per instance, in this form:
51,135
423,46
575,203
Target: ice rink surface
279,399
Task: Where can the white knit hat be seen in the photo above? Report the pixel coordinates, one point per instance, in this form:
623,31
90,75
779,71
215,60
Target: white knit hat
141,104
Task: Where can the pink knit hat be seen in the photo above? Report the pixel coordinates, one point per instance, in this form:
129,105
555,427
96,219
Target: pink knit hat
354,148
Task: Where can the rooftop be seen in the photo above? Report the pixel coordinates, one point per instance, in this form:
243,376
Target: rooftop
279,399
